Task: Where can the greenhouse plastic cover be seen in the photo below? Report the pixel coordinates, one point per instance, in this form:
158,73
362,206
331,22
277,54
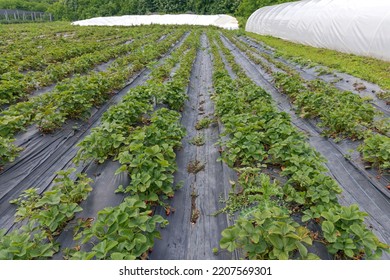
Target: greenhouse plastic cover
223,21
360,27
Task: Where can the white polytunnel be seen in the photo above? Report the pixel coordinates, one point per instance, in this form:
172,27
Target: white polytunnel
359,27
223,21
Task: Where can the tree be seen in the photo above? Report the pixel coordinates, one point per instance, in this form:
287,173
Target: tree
247,7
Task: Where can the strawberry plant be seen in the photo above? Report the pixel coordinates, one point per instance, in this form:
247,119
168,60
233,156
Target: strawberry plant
52,210
376,150
243,147
44,217
8,151
125,232
49,119
102,143
105,140
12,87
267,232
264,229
347,236
149,157
119,121
28,243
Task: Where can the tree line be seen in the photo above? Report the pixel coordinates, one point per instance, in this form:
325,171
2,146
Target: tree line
82,9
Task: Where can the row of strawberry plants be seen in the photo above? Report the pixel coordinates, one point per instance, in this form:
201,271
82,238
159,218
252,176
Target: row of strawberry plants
265,229
147,154
75,97
260,136
117,122
36,51
127,231
17,86
129,227
341,113
327,61
46,55
44,216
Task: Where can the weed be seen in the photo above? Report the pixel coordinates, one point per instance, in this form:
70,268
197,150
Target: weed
323,71
203,123
195,166
359,86
384,95
198,140
195,216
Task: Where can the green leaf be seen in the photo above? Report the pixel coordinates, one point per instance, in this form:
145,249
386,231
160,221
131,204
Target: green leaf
302,249
312,256
283,256
229,236
113,228
121,169
276,241
306,218
118,256
152,197
153,150
327,227
357,229
330,217
370,243
255,238
349,253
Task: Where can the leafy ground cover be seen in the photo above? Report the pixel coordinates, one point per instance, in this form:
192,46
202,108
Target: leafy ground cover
283,202
342,114
370,69
259,137
73,98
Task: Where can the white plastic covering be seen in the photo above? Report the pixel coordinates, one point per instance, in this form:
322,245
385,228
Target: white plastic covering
360,27
223,21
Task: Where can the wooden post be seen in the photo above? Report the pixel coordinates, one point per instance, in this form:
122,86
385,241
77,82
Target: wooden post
6,16
24,16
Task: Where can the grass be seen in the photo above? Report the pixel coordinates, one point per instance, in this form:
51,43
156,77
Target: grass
369,69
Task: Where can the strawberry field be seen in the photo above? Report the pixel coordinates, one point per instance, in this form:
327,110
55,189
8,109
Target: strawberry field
179,142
